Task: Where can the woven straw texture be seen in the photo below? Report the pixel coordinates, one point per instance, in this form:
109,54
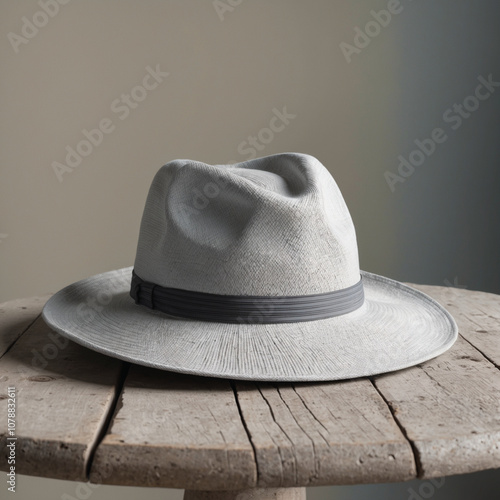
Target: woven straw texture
274,226
397,327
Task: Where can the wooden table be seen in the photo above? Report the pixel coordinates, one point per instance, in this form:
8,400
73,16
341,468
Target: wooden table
85,416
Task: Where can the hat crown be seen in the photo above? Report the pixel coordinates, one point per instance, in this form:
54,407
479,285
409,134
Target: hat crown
274,226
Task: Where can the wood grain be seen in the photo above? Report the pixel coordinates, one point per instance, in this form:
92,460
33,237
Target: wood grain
477,315
176,431
64,393
435,419
323,433
450,410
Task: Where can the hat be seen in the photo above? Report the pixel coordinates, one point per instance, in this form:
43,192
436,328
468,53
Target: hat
251,271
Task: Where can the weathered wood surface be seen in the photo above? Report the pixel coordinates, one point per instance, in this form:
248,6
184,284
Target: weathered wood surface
450,409
64,393
438,418
323,433
450,406
177,431
477,315
15,317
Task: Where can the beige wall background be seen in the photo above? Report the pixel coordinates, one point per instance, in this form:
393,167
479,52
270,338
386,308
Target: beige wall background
227,72
225,77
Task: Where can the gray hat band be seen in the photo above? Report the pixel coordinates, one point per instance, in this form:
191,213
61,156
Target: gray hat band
248,309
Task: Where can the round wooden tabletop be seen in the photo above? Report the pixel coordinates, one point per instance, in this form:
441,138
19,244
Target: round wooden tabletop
80,415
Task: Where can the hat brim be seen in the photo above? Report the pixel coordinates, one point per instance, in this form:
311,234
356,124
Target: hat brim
397,327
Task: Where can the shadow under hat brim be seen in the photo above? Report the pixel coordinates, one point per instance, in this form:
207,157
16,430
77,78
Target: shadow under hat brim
397,327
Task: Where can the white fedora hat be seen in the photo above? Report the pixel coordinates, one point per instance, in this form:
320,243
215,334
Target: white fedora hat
250,271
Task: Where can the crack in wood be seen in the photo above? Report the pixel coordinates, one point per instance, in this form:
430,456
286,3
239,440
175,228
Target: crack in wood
245,426
15,340
492,361
114,408
415,450
285,434
316,458
312,414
